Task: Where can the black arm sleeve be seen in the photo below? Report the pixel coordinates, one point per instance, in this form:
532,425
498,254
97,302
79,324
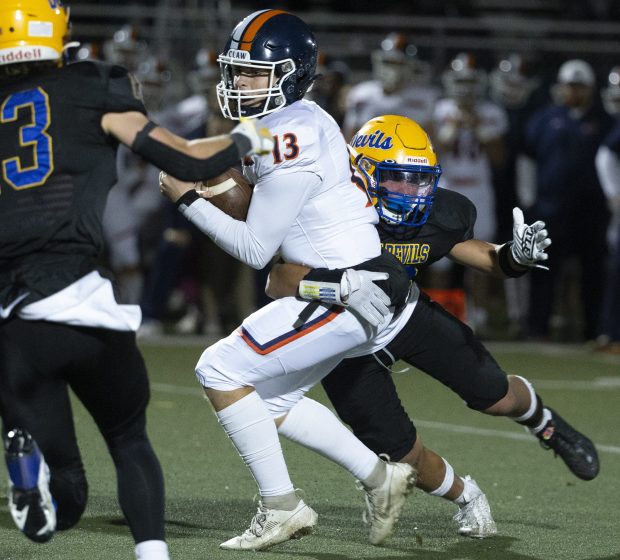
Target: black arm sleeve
181,166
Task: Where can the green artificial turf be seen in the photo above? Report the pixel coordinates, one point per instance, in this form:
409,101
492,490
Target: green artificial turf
542,511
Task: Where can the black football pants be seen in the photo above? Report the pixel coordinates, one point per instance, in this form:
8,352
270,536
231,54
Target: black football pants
437,343
39,361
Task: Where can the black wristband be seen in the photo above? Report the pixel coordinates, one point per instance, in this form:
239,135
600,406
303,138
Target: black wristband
243,143
187,199
507,263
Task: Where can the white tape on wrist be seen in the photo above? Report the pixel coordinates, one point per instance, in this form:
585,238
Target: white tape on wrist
327,292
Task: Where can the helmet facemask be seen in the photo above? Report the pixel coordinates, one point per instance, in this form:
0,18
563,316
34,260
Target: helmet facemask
403,193
235,103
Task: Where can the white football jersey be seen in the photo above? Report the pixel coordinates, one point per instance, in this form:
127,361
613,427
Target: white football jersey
367,100
466,164
466,167
304,204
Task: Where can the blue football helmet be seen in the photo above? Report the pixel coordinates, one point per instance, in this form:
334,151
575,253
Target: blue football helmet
272,41
394,158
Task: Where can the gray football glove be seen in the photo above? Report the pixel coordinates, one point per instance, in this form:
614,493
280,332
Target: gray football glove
529,242
356,291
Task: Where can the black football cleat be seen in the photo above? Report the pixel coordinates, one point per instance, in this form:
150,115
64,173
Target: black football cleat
30,502
576,450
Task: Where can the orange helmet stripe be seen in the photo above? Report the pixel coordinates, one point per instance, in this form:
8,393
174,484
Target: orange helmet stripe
251,30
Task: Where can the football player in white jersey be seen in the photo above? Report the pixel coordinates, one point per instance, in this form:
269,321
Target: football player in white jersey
401,85
469,132
307,208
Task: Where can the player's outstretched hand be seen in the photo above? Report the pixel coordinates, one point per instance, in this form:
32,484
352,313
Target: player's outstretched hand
359,292
260,137
529,242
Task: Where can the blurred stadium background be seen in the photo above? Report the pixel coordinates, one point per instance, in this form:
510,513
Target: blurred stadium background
172,46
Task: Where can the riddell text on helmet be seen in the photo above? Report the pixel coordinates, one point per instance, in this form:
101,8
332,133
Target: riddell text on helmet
20,56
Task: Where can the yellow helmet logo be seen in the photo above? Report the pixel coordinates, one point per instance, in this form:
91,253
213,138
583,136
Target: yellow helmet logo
395,138
32,30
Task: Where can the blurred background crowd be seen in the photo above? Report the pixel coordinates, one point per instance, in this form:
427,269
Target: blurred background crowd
521,99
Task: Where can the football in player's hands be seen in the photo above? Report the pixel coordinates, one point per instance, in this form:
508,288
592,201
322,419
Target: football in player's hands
230,192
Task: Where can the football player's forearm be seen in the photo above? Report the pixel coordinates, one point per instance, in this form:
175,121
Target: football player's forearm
479,255
170,153
187,160
284,280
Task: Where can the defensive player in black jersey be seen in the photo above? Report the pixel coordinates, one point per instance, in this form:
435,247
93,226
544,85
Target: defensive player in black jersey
60,325
393,158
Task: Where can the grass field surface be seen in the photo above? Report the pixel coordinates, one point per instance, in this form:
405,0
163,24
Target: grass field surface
542,511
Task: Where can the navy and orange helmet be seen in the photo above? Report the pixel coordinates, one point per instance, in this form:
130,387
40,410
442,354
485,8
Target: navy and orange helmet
272,41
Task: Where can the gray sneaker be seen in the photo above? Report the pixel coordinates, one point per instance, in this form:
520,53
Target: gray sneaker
272,526
384,504
474,516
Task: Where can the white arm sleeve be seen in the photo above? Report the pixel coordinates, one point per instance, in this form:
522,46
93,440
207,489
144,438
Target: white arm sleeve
275,204
608,169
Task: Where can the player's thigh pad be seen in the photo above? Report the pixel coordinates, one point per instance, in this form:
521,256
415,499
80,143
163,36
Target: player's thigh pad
364,396
267,347
440,345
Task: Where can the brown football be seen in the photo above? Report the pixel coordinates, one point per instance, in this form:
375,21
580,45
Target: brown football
231,193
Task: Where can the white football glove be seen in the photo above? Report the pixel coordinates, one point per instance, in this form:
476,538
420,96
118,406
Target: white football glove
356,290
359,292
529,242
260,137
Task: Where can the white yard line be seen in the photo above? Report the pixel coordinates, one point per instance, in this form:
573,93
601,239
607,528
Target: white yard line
596,384
485,432
453,428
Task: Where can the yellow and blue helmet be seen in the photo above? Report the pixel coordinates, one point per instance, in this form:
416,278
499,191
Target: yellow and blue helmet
32,30
397,163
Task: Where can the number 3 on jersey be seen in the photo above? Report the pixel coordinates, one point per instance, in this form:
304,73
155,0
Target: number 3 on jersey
32,135
289,149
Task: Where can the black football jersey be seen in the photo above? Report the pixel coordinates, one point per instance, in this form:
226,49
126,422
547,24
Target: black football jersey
57,166
451,221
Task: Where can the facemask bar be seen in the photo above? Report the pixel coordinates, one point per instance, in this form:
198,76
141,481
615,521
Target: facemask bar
231,99
399,208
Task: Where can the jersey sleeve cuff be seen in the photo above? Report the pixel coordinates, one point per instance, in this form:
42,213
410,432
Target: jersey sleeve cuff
186,200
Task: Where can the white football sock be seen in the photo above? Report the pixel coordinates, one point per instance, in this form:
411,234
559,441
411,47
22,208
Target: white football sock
448,481
533,401
253,433
152,550
316,427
